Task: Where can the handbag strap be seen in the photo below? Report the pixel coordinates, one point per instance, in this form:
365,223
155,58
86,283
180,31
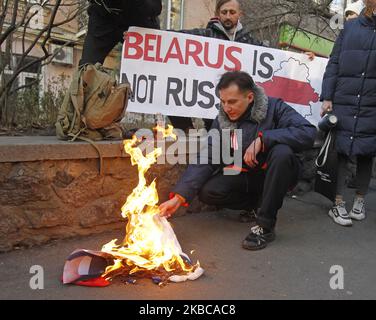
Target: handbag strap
324,151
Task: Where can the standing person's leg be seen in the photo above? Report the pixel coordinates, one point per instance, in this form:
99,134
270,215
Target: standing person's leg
99,43
208,123
351,182
282,173
181,122
342,173
363,178
186,123
363,174
338,212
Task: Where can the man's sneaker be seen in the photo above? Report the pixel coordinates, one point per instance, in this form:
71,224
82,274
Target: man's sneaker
248,216
258,238
358,211
339,214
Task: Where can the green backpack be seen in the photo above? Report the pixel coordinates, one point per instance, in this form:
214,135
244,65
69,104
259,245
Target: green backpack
93,106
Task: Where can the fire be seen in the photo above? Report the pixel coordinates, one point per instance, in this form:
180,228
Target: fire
150,244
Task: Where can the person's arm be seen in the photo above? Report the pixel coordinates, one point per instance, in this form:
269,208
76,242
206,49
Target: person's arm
203,32
168,208
191,181
331,72
291,129
196,31
196,175
249,39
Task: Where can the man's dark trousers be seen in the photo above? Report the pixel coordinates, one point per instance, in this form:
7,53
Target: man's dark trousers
101,38
245,190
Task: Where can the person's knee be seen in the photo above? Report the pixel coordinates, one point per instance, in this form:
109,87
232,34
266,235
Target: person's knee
282,153
211,194
205,196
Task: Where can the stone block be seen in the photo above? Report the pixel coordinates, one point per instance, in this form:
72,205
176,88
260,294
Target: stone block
101,212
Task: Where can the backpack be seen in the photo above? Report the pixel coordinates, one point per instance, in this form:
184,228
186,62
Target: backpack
93,106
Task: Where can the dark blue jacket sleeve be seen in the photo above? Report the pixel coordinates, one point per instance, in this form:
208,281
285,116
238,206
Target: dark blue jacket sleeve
196,175
291,129
331,72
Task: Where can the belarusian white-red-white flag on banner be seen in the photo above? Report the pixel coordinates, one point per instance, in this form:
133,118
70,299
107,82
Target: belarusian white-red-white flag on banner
176,74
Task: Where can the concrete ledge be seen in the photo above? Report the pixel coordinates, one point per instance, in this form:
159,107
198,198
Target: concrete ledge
39,148
25,149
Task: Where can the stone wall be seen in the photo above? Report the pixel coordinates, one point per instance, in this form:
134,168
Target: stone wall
45,200
51,189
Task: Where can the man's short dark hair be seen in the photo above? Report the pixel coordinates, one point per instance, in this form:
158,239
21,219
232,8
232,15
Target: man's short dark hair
220,3
240,78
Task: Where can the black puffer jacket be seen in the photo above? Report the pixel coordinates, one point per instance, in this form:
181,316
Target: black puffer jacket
214,29
126,13
350,82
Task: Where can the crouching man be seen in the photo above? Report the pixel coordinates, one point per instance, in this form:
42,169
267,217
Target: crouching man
271,131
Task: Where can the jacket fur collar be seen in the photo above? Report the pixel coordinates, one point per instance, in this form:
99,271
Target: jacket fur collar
258,114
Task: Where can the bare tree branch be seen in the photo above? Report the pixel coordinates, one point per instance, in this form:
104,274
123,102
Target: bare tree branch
264,17
12,26
15,19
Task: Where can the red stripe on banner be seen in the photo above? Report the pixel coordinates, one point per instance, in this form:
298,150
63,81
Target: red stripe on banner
290,91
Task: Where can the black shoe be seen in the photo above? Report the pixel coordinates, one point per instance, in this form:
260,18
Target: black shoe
248,216
258,238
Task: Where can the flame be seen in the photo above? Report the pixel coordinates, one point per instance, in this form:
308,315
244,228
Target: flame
146,246
166,132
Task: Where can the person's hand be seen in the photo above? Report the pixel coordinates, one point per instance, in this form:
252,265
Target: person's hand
311,56
168,208
252,152
327,106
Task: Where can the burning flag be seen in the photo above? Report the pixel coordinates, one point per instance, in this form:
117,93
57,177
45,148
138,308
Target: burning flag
85,267
150,247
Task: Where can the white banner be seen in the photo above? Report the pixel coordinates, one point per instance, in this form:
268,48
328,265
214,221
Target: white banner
176,74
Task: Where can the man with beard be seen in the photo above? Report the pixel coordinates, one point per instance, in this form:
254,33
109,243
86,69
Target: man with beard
225,25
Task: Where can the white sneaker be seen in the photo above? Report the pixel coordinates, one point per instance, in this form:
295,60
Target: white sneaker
358,211
339,214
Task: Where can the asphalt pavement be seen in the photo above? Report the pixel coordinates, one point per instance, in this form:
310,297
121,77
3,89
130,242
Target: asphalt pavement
296,265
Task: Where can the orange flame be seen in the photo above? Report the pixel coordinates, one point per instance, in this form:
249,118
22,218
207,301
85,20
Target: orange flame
146,245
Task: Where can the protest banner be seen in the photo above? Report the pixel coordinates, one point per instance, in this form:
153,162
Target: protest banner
176,74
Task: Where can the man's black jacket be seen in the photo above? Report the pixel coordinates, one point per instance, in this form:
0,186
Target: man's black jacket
126,13
214,29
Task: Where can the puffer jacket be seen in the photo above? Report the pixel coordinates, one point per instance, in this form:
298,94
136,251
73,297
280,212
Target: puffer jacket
215,30
271,118
350,83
